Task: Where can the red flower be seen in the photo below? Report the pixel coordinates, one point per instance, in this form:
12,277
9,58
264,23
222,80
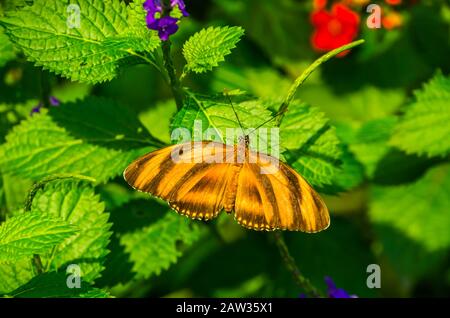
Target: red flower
334,29
394,2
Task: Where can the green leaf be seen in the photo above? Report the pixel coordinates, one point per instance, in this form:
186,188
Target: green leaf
157,119
13,275
424,127
349,176
32,233
7,52
217,114
155,247
78,204
414,219
109,32
99,139
310,143
205,49
53,285
15,190
262,82
370,143
359,106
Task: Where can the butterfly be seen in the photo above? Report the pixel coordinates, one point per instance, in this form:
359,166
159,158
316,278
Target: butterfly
199,179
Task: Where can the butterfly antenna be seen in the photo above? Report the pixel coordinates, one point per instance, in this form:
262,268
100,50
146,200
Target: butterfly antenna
267,121
234,111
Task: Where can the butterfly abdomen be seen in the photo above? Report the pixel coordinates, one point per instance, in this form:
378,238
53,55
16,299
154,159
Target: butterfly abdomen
230,192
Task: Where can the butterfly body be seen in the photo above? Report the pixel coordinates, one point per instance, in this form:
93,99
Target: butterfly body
200,179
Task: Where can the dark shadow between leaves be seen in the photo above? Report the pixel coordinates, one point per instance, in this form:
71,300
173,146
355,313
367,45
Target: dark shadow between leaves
397,167
102,122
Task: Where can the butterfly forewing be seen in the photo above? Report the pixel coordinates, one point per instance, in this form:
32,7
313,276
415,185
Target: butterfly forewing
193,178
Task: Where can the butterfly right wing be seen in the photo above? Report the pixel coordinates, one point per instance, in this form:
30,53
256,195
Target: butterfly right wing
187,176
271,195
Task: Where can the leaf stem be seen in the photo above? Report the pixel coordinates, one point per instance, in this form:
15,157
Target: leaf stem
306,73
37,262
289,261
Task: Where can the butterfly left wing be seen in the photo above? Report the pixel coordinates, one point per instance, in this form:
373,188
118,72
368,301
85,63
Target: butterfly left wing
186,176
271,195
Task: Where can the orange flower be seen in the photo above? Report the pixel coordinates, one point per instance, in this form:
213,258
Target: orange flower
392,20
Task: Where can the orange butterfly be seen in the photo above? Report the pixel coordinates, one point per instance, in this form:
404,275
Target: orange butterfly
200,179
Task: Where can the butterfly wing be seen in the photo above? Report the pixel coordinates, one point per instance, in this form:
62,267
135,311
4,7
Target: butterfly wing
187,176
271,195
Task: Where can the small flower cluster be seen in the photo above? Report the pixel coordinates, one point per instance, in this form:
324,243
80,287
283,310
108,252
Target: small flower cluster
165,25
340,24
333,291
53,102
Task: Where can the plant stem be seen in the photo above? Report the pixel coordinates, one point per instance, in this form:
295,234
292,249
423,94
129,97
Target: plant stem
45,89
37,262
174,82
301,79
173,79
289,261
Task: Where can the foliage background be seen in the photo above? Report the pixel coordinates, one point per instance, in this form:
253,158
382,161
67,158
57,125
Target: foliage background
389,198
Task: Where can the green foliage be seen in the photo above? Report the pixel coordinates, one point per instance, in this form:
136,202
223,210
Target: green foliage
365,104
205,49
356,130
79,205
346,252
311,144
217,114
91,53
53,284
155,247
7,52
419,214
95,137
32,233
280,28
157,119
424,128
370,142
14,275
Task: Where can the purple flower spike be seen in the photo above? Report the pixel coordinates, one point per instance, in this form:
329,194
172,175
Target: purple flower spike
181,6
54,101
36,109
334,292
166,26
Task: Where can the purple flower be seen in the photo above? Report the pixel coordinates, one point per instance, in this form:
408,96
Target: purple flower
334,292
152,7
54,101
166,26
36,109
181,6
